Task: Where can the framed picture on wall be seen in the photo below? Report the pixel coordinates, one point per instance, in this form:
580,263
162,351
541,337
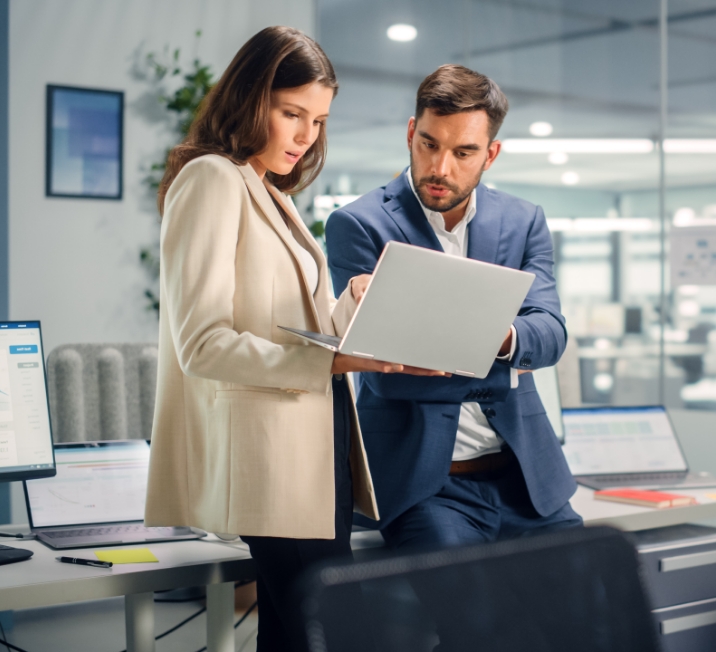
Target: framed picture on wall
84,143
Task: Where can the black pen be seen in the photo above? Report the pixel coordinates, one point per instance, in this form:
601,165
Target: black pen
84,562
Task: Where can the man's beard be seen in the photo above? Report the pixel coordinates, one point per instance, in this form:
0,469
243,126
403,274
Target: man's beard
438,204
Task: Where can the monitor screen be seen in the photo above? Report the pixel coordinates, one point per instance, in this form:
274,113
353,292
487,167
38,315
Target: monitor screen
25,432
96,482
609,440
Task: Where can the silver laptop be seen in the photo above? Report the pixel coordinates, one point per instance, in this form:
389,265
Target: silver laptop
96,498
427,309
609,447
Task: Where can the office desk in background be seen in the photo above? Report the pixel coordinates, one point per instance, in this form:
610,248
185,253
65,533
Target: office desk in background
42,581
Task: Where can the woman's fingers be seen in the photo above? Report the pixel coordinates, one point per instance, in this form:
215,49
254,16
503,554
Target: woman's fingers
359,284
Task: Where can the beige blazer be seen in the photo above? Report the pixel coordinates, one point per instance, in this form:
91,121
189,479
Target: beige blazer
242,440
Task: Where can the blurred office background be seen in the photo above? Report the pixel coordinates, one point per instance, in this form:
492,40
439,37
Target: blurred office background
582,139
572,70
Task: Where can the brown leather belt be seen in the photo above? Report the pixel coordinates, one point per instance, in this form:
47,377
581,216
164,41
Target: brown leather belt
492,463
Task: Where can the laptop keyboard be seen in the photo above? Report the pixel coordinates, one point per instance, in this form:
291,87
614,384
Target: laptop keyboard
133,530
630,478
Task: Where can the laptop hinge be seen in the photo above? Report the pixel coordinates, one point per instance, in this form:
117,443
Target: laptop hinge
358,354
460,372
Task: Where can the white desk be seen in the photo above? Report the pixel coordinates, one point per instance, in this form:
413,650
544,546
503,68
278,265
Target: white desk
42,581
632,517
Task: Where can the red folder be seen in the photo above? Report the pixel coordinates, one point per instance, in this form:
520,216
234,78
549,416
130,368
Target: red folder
645,498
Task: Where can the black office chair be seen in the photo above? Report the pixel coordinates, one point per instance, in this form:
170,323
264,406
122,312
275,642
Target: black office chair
569,591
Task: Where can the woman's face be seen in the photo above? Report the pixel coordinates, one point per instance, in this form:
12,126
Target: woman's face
296,117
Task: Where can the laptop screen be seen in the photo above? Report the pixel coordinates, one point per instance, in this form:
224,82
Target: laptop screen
607,440
96,482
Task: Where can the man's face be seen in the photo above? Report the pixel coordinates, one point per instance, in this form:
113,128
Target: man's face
448,155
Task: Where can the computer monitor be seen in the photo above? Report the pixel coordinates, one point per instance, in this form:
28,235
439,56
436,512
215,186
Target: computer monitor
26,449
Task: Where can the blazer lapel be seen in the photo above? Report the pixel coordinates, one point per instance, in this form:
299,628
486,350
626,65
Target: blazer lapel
262,196
485,228
404,208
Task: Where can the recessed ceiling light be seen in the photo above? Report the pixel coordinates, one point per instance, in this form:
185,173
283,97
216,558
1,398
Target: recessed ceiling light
578,145
402,33
558,158
570,178
541,129
684,216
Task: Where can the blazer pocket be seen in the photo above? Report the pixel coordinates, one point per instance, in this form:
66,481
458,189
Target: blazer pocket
251,394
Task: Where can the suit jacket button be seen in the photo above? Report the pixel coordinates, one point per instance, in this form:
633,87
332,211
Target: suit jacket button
489,393
489,413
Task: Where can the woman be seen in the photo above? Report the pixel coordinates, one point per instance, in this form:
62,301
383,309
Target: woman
255,432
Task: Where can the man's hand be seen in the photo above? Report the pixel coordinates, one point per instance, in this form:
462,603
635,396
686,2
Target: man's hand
344,363
359,284
506,344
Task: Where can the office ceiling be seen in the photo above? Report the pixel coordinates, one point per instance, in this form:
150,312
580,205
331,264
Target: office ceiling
590,69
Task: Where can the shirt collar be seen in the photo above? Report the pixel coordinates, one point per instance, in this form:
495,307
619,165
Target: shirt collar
436,218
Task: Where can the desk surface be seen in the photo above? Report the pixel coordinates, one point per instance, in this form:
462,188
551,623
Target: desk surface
632,517
43,581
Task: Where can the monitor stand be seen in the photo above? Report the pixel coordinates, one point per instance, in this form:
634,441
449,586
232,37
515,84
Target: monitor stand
10,555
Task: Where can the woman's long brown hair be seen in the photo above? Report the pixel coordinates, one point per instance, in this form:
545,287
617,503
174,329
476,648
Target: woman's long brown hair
233,118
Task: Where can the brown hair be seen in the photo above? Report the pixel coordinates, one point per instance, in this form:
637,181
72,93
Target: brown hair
233,118
455,89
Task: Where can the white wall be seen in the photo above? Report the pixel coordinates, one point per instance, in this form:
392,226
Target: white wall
74,263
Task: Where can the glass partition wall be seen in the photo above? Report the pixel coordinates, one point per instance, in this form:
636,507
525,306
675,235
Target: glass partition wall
583,140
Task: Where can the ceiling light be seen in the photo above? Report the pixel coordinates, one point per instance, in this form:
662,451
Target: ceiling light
540,129
557,158
570,178
600,224
684,216
690,145
402,33
578,145
689,308
689,290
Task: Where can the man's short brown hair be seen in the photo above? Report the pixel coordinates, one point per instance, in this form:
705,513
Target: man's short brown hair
456,89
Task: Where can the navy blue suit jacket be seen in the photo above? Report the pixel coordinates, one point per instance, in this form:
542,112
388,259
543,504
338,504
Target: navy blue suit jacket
409,423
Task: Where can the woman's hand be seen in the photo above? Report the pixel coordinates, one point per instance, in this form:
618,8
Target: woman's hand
359,284
344,363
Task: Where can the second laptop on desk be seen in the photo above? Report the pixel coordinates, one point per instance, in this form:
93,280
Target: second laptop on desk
97,498
610,447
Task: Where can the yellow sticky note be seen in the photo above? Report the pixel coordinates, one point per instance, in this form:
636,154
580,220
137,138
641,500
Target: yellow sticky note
711,496
128,556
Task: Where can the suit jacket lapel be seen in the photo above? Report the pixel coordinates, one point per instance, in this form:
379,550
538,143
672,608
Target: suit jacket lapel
484,230
260,193
404,208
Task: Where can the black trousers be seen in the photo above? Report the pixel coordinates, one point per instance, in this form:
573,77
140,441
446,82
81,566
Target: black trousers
280,561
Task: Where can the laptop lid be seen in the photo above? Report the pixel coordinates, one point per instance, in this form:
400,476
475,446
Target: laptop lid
97,482
609,440
435,311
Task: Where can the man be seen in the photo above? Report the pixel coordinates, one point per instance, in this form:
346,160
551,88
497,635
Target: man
454,460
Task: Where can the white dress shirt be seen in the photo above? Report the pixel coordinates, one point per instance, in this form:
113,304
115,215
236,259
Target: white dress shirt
475,435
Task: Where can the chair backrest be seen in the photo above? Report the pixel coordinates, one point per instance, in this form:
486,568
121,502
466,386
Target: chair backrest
569,590
102,391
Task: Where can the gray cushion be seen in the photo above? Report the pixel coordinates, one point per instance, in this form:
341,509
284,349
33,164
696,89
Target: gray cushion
102,391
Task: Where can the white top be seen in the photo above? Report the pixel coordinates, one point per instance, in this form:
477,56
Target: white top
309,266
475,435
306,260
